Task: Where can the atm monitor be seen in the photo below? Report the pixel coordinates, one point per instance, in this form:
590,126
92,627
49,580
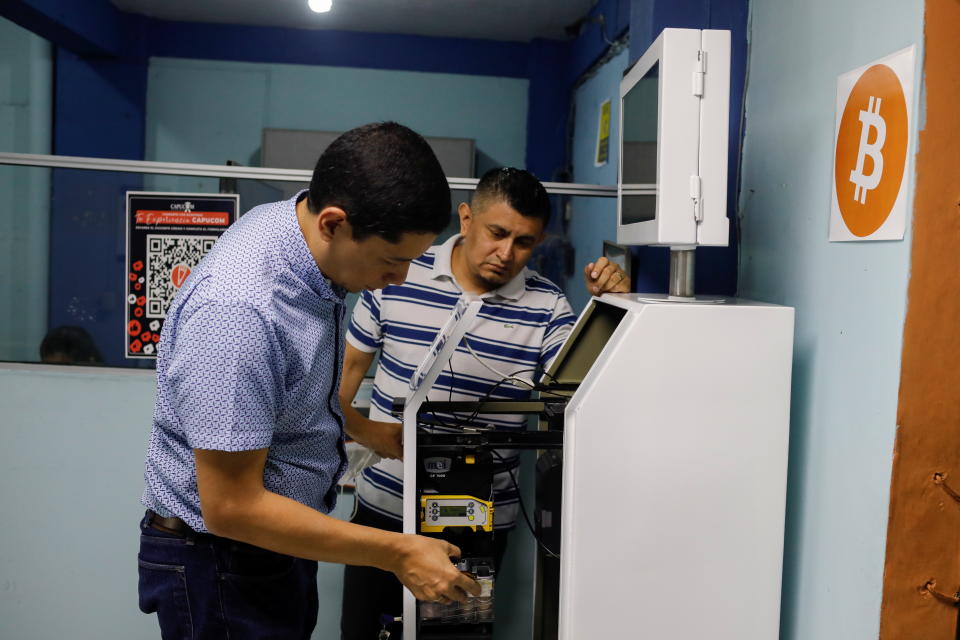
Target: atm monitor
672,186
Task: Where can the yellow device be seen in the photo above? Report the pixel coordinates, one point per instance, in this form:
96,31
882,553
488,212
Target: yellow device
440,511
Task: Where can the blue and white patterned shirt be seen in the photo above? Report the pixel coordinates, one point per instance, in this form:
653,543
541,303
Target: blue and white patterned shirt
250,358
521,326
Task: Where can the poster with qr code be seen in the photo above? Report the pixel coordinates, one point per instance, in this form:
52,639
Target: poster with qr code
168,234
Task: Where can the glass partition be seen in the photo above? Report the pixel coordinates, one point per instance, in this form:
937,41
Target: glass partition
24,238
26,116
63,244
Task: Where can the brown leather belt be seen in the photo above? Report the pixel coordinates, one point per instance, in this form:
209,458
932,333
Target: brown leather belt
175,526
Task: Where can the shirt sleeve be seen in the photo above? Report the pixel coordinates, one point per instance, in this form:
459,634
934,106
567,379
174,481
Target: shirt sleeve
225,378
366,331
559,327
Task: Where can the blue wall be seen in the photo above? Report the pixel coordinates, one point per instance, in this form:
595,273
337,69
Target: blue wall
593,220
98,112
850,301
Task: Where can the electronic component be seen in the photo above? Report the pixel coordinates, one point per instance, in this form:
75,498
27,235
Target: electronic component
440,511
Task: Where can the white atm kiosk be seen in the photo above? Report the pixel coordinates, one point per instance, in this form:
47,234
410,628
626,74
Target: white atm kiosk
664,419
674,471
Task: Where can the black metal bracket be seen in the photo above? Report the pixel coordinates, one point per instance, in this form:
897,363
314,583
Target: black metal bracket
492,440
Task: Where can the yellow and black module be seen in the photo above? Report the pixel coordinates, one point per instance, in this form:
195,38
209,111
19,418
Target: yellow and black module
437,512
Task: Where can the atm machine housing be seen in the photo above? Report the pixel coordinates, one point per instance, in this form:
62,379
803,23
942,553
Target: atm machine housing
674,448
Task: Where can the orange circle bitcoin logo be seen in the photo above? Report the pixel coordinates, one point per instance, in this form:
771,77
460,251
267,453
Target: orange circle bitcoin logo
871,150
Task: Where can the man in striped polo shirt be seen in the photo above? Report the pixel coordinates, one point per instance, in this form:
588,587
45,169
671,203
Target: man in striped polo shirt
524,320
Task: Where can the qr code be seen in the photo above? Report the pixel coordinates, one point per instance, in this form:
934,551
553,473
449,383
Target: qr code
170,259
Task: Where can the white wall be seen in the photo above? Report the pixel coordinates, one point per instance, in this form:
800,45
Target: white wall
849,298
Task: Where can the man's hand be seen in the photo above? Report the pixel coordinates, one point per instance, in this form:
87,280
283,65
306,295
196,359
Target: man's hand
383,438
423,566
604,276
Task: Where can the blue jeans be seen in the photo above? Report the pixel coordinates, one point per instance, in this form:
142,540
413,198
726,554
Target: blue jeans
203,586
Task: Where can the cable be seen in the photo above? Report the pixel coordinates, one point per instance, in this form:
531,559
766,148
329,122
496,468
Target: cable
505,376
489,393
450,394
461,424
510,376
453,376
602,21
523,508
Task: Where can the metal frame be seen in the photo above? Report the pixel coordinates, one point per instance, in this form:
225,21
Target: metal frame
446,342
250,173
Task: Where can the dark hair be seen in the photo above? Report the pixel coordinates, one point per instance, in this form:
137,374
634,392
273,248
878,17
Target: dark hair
518,188
386,178
73,342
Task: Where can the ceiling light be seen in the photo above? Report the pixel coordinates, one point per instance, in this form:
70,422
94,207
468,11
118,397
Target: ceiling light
320,6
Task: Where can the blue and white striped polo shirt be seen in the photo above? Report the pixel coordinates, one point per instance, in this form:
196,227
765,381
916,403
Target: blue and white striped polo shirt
521,326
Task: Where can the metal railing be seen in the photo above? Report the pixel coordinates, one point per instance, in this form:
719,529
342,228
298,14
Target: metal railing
250,173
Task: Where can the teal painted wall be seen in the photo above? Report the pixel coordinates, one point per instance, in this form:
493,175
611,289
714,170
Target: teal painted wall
849,299
211,112
593,220
26,98
71,469
72,447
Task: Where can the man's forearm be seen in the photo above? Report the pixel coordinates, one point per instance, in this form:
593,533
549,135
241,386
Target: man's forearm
355,365
283,525
353,420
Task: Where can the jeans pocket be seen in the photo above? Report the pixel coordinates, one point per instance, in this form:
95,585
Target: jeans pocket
247,563
268,596
163,590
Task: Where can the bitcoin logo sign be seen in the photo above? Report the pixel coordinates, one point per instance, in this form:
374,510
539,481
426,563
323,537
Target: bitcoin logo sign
871,150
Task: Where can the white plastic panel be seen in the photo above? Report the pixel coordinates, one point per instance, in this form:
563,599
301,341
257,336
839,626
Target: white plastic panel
678,115
675,460
714,230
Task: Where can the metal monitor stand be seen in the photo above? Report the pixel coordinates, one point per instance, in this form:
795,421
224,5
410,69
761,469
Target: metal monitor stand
681,271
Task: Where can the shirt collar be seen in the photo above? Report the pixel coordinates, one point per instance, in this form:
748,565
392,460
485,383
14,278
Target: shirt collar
298,256
443,269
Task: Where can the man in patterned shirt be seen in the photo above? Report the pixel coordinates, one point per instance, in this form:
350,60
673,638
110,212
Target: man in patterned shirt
521,326
247,440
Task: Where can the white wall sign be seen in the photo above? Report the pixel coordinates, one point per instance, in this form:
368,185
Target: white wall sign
871,170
